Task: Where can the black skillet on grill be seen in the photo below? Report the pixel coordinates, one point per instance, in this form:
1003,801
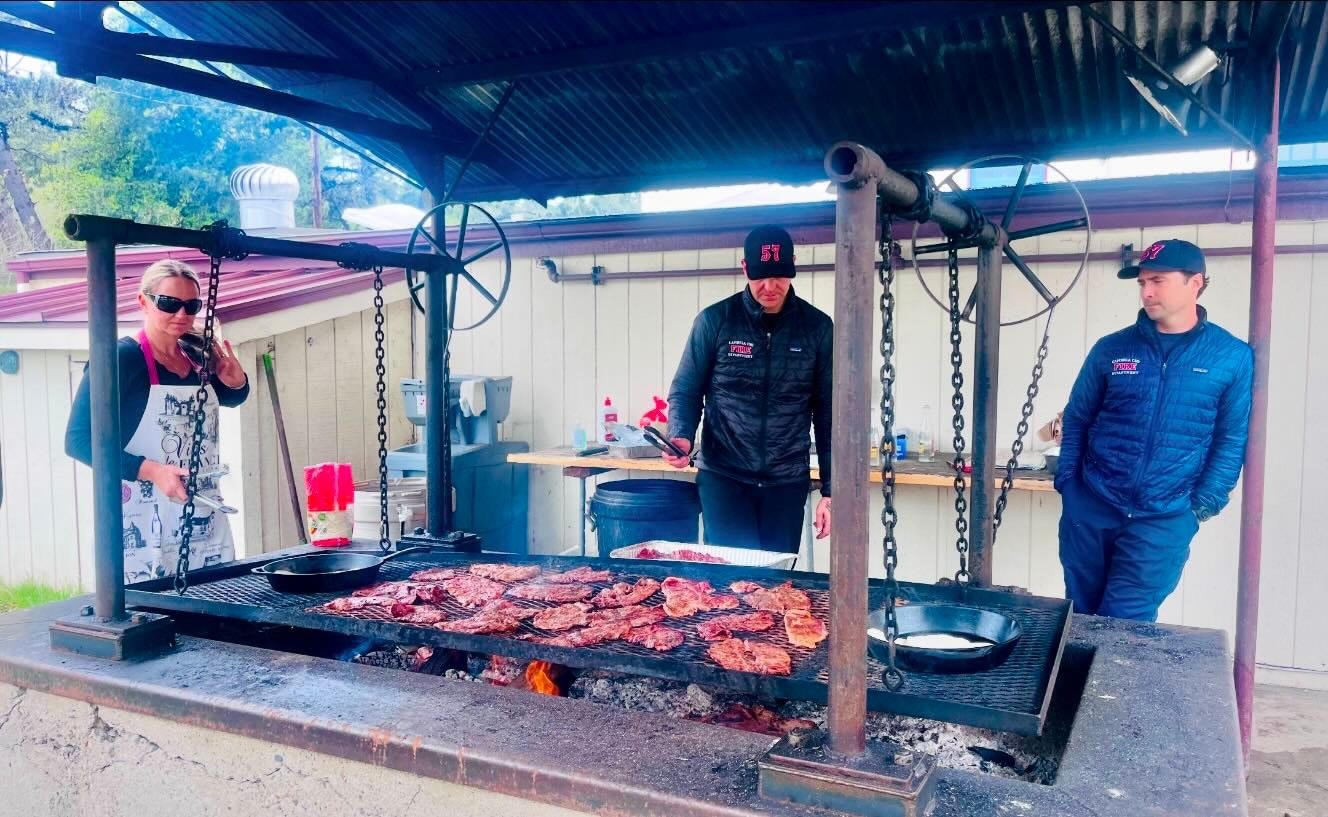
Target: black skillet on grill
1000,631
326,572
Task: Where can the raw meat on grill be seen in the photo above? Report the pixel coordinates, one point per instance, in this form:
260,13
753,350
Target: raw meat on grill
741,655
509,608
473,591
480,624
562,617
582,574
725,626
685,597
506,573
743,586
349,603
681,554
559,593
431,593
623,594
804,629
410,614
778,599
656,637
434,574
635,615
402,591
590,636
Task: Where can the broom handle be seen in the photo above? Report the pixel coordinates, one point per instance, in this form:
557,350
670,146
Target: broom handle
285,449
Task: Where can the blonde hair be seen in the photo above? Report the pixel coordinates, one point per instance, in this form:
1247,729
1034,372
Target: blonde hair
166,268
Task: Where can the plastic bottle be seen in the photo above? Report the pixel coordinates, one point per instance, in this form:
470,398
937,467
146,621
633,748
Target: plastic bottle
579,437
607,414
926,437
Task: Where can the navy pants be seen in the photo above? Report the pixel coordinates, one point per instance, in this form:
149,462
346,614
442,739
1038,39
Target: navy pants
746,516
1116,566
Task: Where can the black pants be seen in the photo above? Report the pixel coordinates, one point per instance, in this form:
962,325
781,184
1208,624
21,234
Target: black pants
745,516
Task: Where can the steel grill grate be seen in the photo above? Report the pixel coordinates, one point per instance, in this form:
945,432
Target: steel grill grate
1011,697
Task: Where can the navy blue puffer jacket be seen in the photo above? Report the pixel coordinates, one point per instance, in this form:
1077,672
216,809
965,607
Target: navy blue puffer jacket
1154,436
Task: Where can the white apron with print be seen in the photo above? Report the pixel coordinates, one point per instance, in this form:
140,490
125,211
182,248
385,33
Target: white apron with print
152,521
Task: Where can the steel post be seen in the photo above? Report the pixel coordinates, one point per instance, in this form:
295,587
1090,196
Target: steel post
855,244
986,370
436,435
104,393
1263,254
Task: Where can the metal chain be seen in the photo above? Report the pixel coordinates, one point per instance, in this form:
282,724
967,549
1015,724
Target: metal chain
957,380
200,419
893,678
1021,431
380,368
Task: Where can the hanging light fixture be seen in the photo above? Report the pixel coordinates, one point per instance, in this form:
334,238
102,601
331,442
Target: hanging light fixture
1160,92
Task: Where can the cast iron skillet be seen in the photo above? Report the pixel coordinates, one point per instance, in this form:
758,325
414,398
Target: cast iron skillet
923,619
324,572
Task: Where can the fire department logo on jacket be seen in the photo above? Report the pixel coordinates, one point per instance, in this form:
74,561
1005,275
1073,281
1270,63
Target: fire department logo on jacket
1124,365
740,348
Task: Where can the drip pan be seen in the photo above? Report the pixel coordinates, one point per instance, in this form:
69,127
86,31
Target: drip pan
993,635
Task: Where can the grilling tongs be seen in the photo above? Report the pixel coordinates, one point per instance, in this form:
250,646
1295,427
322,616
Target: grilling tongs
665,444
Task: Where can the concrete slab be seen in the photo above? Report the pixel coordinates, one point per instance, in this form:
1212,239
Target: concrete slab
1289,759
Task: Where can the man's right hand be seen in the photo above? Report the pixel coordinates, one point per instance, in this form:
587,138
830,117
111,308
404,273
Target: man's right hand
167,478
684,445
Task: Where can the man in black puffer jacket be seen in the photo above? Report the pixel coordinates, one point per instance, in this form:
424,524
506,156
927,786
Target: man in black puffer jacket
1153,441
758,364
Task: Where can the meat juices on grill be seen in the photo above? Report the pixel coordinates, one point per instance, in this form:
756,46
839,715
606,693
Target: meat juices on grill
804,629
779,599
349,603
509,608
480,624
505,573
740,655
623,594
725,626
562,617
656,637
635,615
590,636
558,593
473,591
583,574
435,574
685,597
410,614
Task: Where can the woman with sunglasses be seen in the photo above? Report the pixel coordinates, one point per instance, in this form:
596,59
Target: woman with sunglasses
159,377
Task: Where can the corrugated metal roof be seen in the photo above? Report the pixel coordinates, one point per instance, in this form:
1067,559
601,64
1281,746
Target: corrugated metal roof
921,91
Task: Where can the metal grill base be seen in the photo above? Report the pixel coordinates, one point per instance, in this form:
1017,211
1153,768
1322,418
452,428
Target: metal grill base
885,781
1013,697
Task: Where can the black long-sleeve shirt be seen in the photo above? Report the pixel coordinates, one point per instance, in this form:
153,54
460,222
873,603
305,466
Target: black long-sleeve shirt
134,387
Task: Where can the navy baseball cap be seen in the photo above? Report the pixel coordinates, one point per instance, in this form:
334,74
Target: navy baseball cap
768,252
1171,255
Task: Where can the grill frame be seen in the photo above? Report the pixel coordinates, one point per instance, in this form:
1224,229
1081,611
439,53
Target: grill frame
1013,697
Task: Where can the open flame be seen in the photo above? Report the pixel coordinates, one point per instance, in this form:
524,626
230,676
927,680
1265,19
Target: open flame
539,678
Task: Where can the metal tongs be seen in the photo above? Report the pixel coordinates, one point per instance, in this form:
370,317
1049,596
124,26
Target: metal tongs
665,444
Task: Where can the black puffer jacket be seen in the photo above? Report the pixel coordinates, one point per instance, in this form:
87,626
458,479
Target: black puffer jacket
762,381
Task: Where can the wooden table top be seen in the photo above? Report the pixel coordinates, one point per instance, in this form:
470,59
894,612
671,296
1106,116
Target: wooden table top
907,472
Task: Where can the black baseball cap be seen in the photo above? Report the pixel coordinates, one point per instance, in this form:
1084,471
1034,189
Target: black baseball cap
768,252
1171,255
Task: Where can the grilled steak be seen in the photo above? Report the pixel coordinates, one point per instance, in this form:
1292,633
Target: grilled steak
682,555
509,608
431,593
804,629
562,617
349,603
778,599
635,615
435,574
505,573
473,591
750,656
685,597
656,637
403,591
559,593
743,586
410,614
590,636
723,627
623,594
584,574
480,624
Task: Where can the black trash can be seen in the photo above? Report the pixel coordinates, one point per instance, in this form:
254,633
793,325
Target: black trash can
631,511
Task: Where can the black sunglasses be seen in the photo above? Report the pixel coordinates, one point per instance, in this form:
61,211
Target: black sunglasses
171,304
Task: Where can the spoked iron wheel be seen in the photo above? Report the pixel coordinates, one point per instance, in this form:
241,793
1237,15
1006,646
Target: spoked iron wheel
472,222
1082,222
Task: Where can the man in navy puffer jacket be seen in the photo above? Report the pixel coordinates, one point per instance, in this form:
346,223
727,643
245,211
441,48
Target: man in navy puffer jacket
1153,441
